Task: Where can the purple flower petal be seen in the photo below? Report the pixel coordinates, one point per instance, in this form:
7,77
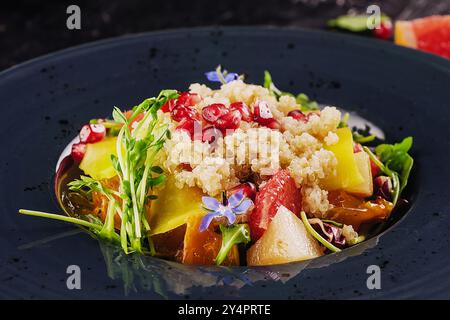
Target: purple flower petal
207,218
231,77
212,76
236,199
243,206
228,213
210,203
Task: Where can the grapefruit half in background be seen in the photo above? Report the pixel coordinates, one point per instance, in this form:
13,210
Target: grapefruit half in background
430,34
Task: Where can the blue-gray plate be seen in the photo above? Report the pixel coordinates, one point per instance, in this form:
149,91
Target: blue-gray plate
45,101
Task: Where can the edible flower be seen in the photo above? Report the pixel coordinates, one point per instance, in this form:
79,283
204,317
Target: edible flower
221,76
235,205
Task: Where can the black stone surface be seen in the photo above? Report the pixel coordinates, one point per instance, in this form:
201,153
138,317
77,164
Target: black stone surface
30,28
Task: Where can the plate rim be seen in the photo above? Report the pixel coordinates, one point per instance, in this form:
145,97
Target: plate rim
437,61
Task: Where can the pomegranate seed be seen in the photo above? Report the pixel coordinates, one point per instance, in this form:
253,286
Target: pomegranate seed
297,115
273,124
188,99
185,166
169,105
91,133
181,112
357,148
78,151
384,31
192,127
213,112
246,114
230,120
186,125
247,188
211,134
262,113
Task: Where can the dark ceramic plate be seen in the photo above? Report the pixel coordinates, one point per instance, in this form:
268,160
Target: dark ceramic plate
45,101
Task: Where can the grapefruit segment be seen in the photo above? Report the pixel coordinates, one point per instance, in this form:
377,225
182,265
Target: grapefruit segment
430,34
280,190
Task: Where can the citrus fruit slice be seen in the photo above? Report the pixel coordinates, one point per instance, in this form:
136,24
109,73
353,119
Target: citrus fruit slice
280,190
430,34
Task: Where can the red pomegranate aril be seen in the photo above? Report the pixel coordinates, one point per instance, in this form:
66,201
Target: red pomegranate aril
91,133
192,127
188,99
230,120
185,99
185,166
186,125
384,31
181,112
211,134
78,151
247,188
246,114
169,105
357,148
213,112
262,113
273,124
297,115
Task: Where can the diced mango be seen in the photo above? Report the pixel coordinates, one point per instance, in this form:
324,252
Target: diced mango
97,159
174,206
364,189
347,173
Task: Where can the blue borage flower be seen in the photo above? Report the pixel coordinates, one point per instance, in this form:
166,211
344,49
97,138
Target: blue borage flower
221,76
235,205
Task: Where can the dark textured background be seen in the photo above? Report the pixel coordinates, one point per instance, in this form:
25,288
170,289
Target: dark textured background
32,28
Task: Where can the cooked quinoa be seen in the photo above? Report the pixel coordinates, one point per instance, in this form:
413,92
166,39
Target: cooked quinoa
252,149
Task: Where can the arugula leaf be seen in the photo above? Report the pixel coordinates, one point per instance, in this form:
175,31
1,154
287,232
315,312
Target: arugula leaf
235,234
396,158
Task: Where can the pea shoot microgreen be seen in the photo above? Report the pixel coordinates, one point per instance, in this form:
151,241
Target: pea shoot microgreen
136,153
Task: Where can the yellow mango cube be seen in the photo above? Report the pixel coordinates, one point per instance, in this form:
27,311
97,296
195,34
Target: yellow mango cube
97,159
347,173
174,206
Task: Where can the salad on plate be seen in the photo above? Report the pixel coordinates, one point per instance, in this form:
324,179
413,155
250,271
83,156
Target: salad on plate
240,175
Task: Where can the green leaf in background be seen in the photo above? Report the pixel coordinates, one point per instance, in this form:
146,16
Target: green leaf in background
306,103
353,23
235,234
